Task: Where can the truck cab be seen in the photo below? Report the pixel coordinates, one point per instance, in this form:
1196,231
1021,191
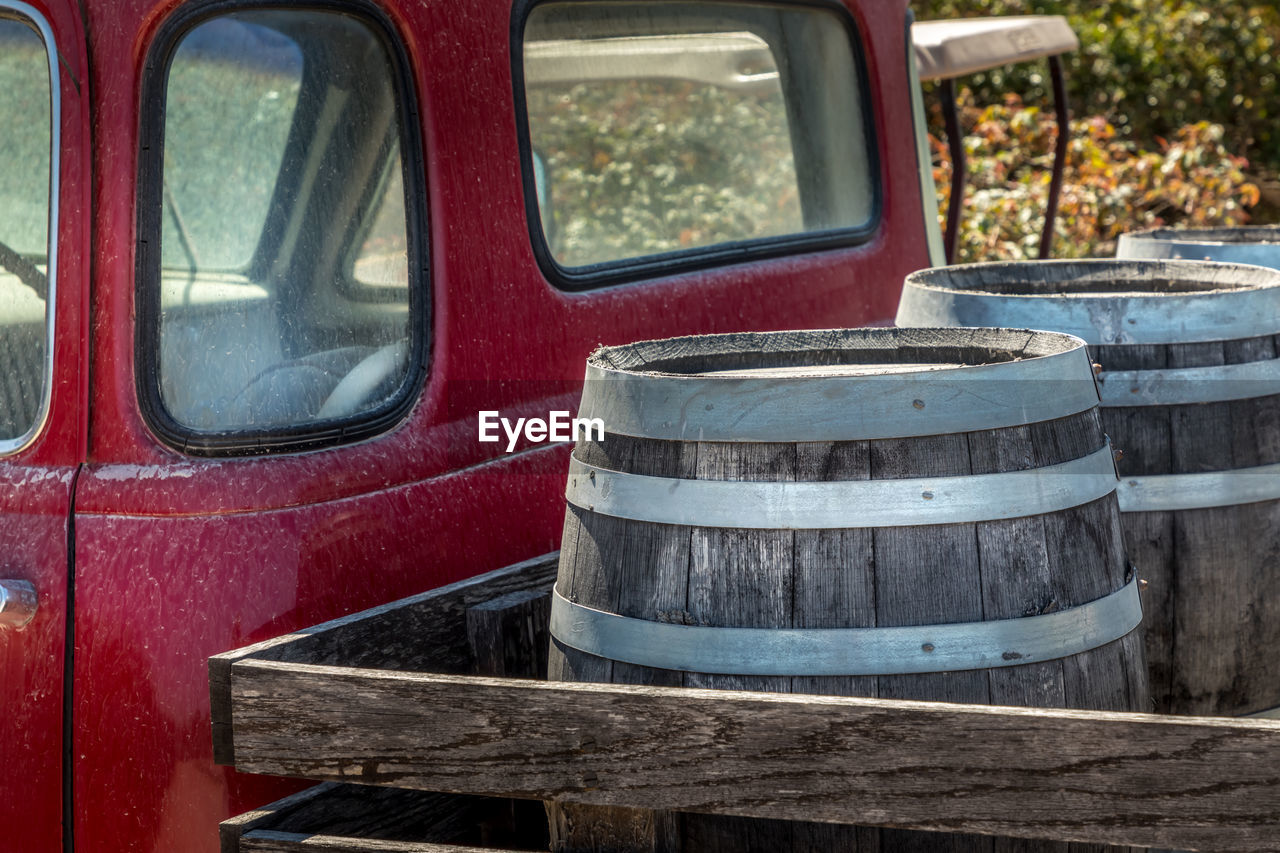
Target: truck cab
263,265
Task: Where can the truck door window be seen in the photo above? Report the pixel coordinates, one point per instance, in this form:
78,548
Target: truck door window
669,129
28,193
280,312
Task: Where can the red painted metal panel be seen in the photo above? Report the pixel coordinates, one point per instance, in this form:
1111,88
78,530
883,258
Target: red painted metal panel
35,498
179,558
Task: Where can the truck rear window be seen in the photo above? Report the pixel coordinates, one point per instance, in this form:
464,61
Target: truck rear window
281,308
664,128
27,188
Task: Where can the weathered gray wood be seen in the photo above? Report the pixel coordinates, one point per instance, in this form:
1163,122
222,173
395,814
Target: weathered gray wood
1085,550
635,569
508,635
833,575
742,578
268,841
1143,439
929,574
230,831
855,577
1185,782
1213,596
1015,573
1214,574
425,631
349,817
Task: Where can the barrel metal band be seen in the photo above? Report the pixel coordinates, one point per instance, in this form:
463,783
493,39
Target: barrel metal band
847,651
1201,490
1170,247
840,408
1173,318
842,503
1179,386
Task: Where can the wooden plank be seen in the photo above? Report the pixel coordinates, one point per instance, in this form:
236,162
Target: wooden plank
230,831
1142,435
1101,777
508,635
268,841
356,817
912,586
425,631
369,812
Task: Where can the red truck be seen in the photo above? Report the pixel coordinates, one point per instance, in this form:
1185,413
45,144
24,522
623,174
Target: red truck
262,265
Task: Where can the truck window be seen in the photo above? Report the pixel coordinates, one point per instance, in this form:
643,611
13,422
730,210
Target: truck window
668,128
281,309
28,184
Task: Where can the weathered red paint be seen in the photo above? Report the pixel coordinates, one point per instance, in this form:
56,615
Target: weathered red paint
177,558
36,488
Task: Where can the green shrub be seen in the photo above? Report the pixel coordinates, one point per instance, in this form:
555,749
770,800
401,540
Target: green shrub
1110,186
1154,66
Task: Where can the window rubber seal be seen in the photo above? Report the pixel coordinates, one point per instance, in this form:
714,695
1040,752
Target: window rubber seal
149,211
645,267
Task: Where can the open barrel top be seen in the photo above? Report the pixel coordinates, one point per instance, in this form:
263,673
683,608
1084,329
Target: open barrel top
836,384
1105,302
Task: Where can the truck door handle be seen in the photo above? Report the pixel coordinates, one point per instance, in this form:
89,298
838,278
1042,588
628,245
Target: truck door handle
18,603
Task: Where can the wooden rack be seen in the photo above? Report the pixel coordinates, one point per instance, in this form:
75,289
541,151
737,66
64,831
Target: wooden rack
389,697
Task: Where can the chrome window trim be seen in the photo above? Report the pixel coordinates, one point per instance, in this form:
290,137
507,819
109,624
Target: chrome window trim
33,17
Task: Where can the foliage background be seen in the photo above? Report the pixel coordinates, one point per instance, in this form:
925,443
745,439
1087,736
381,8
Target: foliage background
1175,108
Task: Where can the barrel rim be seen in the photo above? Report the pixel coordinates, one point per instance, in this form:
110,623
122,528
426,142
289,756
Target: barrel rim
1206,236
738,343
1176,269
1246,309
969,398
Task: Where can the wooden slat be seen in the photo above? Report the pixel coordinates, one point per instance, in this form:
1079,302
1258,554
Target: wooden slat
267,841
231,831
351,817
423,632
1191,783
508,636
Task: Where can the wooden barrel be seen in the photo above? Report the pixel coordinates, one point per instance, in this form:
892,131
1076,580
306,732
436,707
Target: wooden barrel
1190,389
914,514
1253,244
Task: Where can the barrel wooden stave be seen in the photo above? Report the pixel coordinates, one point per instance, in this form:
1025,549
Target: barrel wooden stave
1205,624
749,578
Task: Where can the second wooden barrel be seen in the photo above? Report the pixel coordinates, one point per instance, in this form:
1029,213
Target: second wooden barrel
1190,388
895,513
1251,244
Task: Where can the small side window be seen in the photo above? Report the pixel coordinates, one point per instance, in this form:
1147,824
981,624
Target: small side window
280,311
28,194
660,128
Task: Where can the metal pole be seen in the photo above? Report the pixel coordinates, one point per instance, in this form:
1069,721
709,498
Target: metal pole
1059,155
955,143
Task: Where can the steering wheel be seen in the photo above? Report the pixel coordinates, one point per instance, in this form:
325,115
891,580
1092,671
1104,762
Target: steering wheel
370,375
27,272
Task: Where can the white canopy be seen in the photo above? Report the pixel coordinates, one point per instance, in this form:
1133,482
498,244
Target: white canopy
955,48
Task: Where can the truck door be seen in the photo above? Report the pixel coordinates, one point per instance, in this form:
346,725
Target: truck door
43,194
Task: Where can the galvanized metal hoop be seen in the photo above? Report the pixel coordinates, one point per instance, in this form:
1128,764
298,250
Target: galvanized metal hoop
1201,490
694,407
1184,385
1256,244
843,503
1245,310
847,651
